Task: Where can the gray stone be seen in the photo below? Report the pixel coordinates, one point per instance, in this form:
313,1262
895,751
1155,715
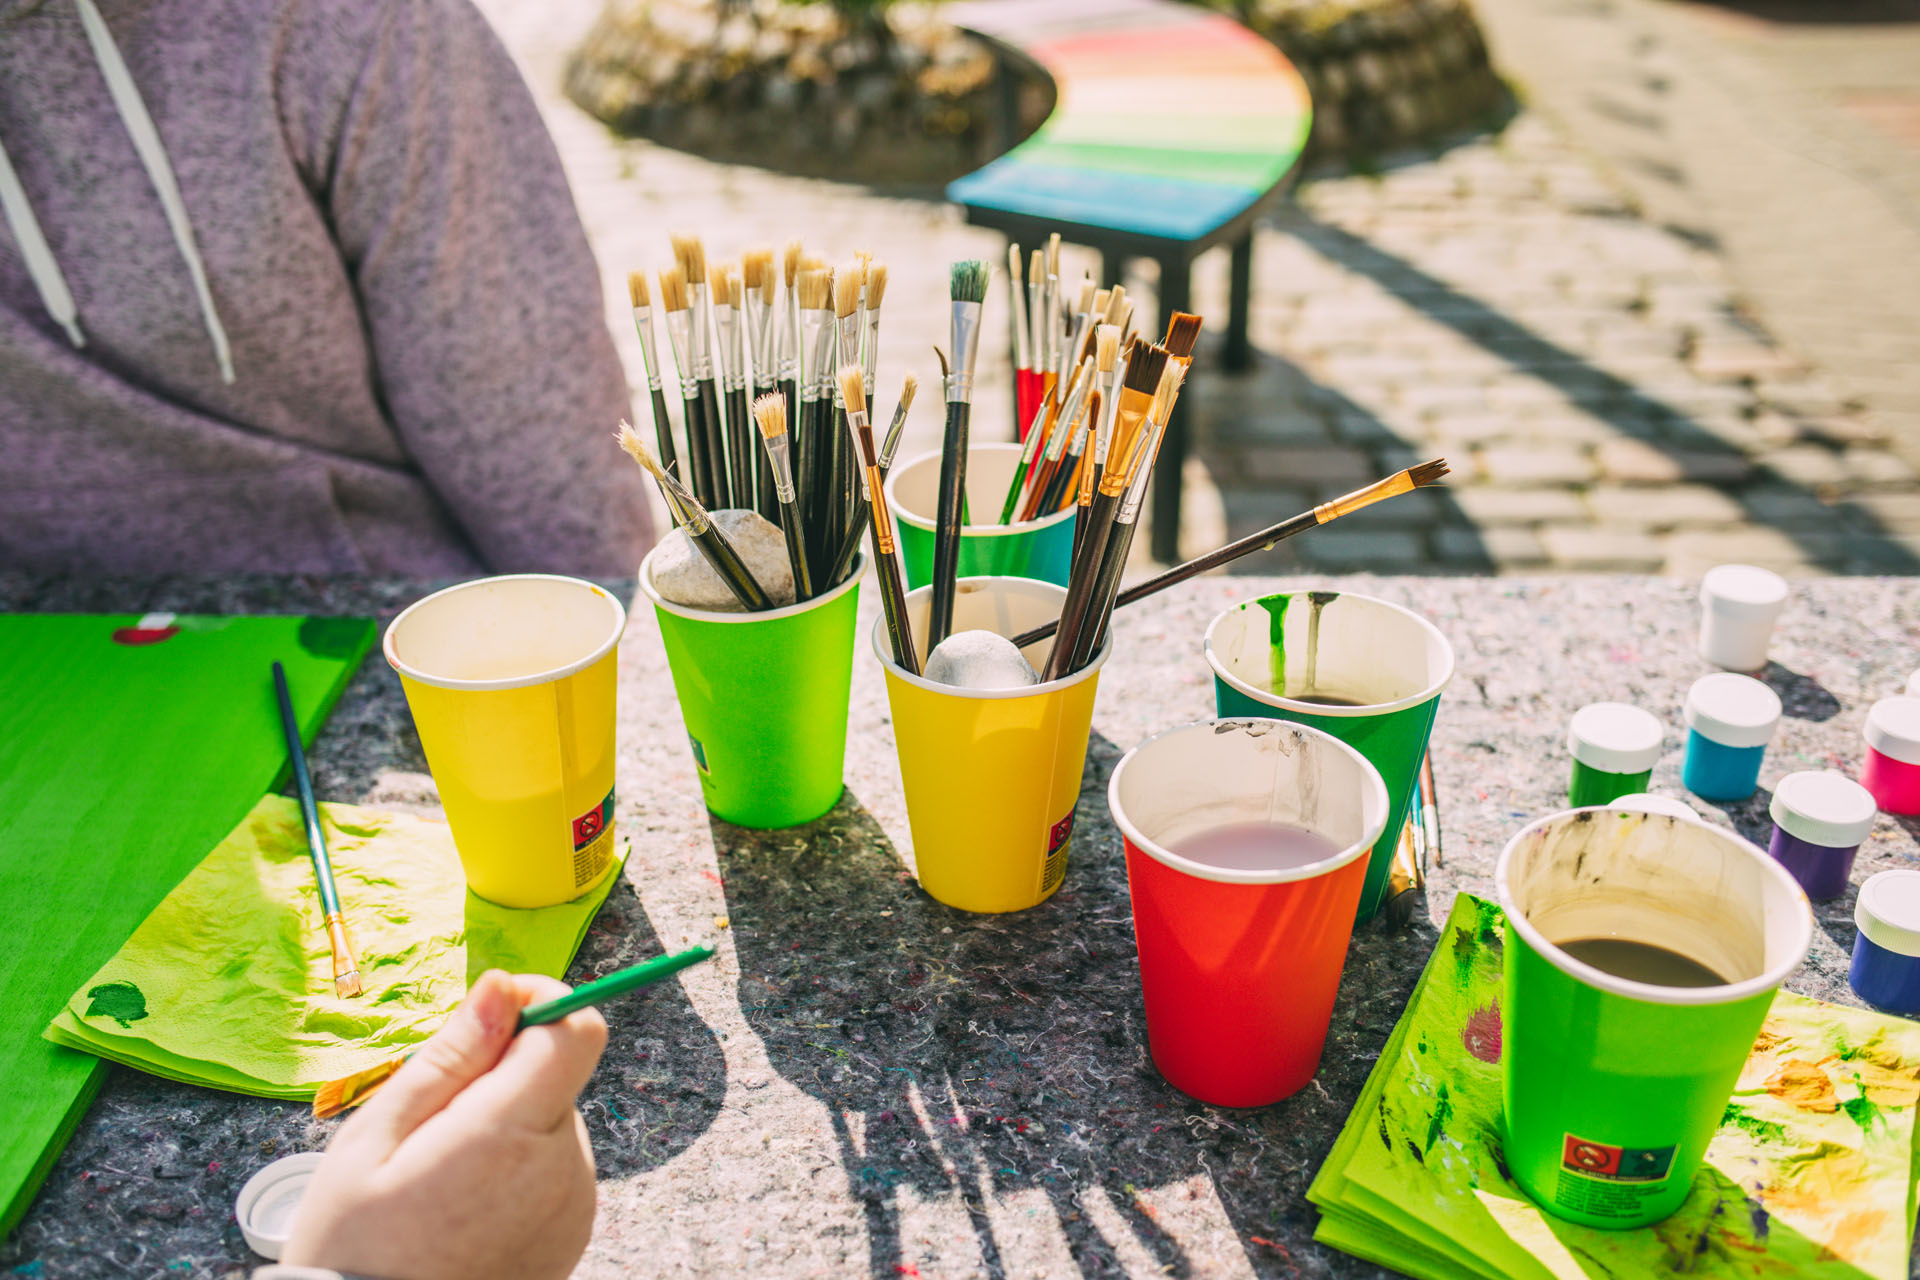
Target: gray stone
682,575
979,660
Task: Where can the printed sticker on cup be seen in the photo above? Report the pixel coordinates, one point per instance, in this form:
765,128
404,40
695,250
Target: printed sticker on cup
1054,869
592,842
1608,1181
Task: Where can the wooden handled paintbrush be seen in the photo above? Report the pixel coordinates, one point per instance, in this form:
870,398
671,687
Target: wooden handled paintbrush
863,511
893,591
340,1095
346,969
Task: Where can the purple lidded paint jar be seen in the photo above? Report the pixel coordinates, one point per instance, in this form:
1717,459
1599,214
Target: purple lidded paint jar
1819,819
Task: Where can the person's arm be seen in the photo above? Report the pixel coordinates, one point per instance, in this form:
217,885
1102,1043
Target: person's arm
482,300
471,1163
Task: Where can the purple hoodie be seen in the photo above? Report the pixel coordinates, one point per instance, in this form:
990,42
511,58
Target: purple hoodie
295,285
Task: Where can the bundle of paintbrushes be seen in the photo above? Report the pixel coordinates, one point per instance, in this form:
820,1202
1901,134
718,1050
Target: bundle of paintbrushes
768,486
1054,332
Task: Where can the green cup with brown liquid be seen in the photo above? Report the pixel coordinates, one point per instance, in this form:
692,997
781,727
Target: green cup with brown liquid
1365,671
1643,951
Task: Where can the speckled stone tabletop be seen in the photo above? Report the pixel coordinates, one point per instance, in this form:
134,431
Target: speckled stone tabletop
865,1081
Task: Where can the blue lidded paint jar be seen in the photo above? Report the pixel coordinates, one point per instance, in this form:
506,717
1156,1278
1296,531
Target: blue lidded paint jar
1730,719
1886,951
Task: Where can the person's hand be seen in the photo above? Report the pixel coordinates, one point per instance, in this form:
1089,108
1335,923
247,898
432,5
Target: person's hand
471,1162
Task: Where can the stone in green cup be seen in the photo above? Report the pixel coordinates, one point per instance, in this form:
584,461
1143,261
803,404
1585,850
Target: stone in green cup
1041,549
764,696
1614,1085
1279,655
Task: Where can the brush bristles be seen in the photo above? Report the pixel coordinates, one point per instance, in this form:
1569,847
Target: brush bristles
1125,322
770,412
1106,347
876,285
692,257
853,388
968,280
637,291
1053,254
813,263
726,287
865,258
1146,361
1427,472
846,290
756,269
1037,266
637,450
911,385
336,1096
1167,392
347,985
673,288
790,262
1085,303
1100,299
1013,264
1183,334
1117,306
816,290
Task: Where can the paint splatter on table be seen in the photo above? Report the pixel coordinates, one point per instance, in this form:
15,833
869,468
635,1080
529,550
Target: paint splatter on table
865,1081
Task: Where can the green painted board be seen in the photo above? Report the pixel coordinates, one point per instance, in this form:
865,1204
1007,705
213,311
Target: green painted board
127,751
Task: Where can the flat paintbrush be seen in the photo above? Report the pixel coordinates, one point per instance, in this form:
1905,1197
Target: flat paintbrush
863,511
841,473
756,276
728,295
674,298
788,339
968,282
770,412
340,1095
346,970
893,591
815,371
692,258
699,527
1022,352
1393,486
641,298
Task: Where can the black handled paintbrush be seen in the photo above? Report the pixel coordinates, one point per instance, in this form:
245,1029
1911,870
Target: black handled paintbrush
641,298
893,591
770,412
675,299
691,256
968,290
863,511
699,527
346,969
756,276
728,295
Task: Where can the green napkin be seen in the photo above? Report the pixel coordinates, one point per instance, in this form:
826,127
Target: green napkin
229,982
1811,1173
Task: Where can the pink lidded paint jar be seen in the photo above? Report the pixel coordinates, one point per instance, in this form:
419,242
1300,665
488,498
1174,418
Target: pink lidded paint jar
1892,768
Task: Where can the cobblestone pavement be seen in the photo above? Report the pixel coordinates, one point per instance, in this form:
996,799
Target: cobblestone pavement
1605,401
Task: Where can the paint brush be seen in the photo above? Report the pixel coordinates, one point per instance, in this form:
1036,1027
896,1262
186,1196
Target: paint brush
674,298
1046,475
698,525
968,289
1021,335
346,970
1393,486
893,589
339,1095
873,293
816,349
728,295
770,412
640,297
789,340
863,511
691,256
756,277
840,470
1183,335
1037,331
1089,477
1106,359
1032,438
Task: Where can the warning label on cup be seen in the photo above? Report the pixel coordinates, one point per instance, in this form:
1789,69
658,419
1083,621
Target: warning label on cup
1607,1181
1055,868
592,842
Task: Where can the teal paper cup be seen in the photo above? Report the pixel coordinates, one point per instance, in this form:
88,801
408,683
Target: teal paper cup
1614,1082
1041,549
1274,656
764,696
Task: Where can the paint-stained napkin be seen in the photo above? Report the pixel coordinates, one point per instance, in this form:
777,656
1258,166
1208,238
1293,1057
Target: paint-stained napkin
229,982
1810,1175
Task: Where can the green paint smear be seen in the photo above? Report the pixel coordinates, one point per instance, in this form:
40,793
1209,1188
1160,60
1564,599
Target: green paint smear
125,1003
1442,1112
1861,1111
1276,607
1753,1126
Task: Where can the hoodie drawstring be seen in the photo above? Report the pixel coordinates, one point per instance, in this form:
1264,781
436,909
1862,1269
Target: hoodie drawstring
41,264
54,294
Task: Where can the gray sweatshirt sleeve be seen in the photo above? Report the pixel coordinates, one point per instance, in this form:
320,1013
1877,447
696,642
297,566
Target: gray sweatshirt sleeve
481,297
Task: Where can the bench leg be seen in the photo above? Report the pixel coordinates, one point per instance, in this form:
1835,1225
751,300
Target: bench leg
1239,353
1175,295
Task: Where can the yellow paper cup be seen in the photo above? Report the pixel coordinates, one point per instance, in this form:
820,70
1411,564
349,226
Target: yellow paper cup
511,684
991,775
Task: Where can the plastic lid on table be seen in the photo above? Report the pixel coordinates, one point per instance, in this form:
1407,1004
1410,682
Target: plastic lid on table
1888,911
269,1200
1893,728
1647,802
1615,737
1743,591
1732,710
1823,807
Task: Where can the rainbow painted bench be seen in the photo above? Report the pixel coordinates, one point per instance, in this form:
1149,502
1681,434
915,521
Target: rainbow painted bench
1173,129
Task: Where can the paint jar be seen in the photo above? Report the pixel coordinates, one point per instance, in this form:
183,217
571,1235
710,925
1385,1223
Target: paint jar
1730,719
1240,956
764,697
1647,802
1819,819
1040,548
992,776
511,682
1886,950
1892,767
1616,1068
1739,603
1615,747
1368,672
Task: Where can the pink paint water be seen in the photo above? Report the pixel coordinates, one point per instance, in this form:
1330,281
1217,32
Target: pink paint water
1255,846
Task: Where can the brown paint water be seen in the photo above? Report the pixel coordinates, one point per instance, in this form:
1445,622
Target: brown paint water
1255,846
1326,699
1641,962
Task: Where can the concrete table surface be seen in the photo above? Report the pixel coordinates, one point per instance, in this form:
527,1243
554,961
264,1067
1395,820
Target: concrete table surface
865,1081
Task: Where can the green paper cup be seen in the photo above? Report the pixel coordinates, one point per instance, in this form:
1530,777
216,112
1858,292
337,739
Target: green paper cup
1614,1085
764,697
1273,656
1040,549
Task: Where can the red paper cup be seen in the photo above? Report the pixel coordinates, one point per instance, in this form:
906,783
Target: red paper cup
1239,967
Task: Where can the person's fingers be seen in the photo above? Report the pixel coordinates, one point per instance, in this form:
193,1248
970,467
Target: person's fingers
541,1074
462,1051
